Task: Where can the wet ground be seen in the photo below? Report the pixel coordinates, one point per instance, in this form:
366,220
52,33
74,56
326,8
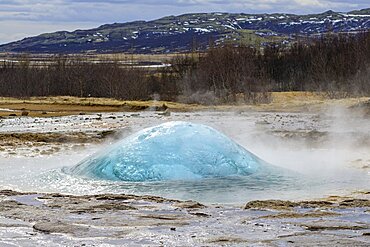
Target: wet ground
330,146
124,220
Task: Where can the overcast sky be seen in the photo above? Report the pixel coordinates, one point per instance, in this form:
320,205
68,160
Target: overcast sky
23,18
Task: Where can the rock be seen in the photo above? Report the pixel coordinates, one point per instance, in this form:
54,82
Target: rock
110,207
109,133
58,227
11,193
200,214
139,107
323,225
163,107
286,205
166,113
315,204
311,214
8,205
270,204
355,203
188,204
25,113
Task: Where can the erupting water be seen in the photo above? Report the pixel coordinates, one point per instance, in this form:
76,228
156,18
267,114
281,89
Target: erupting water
171,151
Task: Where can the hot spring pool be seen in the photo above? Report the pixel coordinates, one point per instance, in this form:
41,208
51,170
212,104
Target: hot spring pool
231,190
176,160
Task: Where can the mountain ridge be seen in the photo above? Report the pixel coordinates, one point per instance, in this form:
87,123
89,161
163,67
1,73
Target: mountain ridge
192,31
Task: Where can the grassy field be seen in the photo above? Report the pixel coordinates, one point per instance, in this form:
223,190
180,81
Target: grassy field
41,59
59,106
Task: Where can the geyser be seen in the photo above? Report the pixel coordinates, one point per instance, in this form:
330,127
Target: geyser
171,151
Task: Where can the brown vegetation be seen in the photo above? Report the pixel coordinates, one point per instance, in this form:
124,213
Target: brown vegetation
337,65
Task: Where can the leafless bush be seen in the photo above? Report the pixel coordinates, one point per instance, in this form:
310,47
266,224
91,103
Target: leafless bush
204,98
338,65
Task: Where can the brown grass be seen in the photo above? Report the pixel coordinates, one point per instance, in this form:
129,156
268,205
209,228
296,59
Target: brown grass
63,105
60,106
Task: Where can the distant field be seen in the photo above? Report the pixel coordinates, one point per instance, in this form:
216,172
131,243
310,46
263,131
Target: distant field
122,58
141,57
60,106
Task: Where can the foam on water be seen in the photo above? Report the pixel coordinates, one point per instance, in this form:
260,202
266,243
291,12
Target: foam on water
171,151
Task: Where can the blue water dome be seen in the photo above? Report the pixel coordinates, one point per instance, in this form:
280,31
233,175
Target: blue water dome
171,151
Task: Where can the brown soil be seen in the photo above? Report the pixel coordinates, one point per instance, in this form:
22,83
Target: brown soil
78,137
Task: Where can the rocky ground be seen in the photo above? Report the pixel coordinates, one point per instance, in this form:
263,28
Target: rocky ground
336,136
34,219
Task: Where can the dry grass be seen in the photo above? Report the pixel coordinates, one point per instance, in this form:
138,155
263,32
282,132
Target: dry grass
59,106
63,105
307,101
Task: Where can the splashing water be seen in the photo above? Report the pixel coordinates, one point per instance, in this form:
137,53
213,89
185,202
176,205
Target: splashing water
171,151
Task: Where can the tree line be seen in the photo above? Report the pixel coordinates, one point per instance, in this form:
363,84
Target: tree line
336,64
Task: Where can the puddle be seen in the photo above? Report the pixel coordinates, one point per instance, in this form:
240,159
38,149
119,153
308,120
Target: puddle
30,200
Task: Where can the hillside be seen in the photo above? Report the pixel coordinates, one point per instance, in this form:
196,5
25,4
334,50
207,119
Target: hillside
190,31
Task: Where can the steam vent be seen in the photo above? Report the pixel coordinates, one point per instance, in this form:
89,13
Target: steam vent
171,151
